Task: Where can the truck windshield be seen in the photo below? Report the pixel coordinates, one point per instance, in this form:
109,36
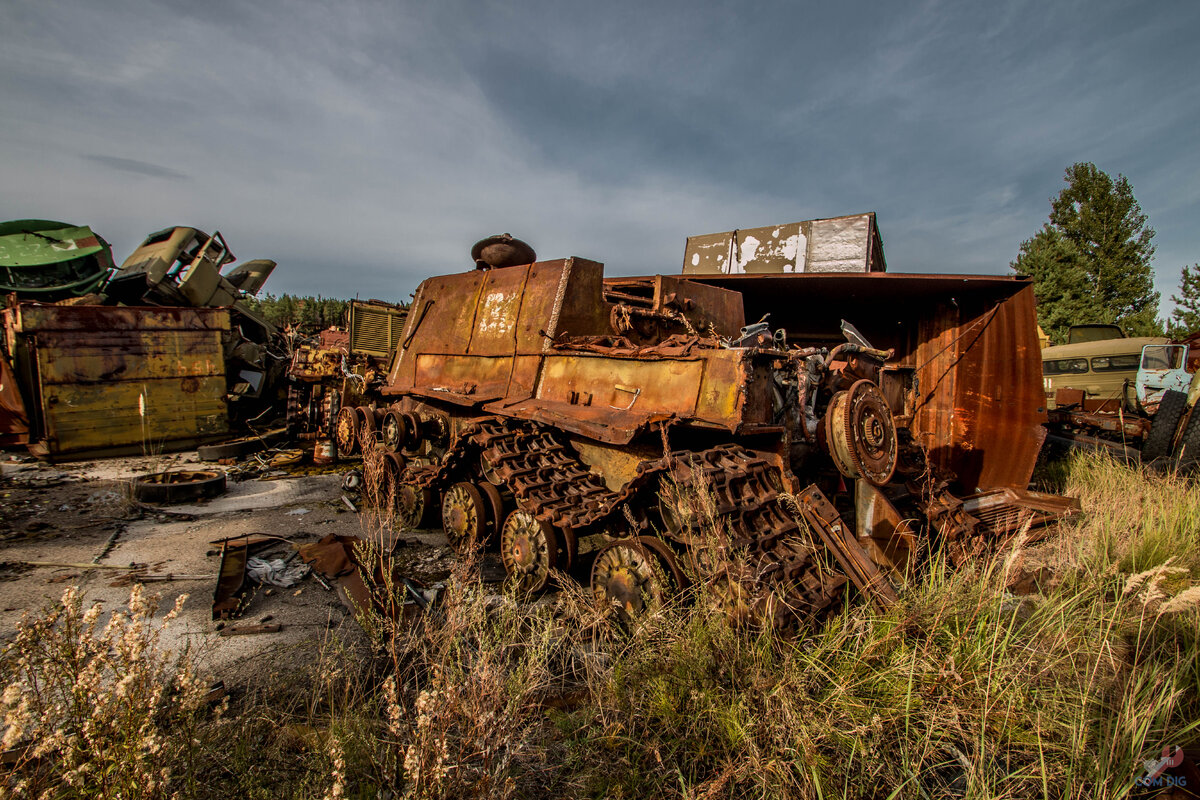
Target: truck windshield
1162,356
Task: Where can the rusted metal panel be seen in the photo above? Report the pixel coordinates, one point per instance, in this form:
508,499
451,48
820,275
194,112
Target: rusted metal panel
463,379
838,244
118,379
14,422
511,312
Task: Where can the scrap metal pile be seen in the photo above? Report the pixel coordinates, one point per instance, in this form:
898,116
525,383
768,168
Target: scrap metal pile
636,429
161,353
566,419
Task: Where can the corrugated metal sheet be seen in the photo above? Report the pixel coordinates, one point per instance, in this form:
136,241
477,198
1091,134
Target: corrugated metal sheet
121,380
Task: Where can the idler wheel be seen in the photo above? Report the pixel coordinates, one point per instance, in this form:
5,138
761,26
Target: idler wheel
464,515
391,430
345,432
413,505
630,575
529,551
495,509
860,434
366,420
413,435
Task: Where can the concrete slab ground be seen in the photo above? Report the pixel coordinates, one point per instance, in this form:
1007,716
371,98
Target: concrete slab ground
72,514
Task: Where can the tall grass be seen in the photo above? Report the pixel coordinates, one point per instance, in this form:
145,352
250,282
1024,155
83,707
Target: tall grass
959,690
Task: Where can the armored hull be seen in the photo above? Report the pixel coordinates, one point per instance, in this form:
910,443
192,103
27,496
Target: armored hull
571,420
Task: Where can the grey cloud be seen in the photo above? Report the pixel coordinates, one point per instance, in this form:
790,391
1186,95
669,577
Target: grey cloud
137,167
365,145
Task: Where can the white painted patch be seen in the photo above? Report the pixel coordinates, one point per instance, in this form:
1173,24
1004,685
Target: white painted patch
748,253
497,317
696,259
793,248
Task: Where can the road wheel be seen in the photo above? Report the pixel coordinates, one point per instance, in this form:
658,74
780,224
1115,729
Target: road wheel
391,430
529,551
414,505
464,515
346,432
631,577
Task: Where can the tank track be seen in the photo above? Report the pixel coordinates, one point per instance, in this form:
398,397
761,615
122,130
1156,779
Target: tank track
548,479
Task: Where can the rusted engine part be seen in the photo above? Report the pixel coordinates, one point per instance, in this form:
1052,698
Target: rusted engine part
559,500
965,382
968,527
377,586
649,310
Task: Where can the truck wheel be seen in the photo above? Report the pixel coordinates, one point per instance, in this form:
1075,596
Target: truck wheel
1162,429
1187,456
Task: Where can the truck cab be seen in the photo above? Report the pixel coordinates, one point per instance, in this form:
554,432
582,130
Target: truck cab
1163,368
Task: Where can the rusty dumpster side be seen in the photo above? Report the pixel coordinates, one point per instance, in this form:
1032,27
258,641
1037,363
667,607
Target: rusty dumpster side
104,380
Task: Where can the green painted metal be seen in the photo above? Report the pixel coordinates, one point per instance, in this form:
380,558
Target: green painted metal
47,260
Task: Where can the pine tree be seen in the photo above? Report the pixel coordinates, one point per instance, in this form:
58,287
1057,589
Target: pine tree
1060,282
1185,319
1101,233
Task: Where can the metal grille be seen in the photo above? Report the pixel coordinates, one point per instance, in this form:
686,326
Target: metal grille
374,331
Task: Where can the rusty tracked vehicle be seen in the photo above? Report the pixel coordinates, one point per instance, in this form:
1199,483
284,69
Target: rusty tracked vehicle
552,413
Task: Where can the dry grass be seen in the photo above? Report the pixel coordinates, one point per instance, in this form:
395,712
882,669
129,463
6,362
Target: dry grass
960,690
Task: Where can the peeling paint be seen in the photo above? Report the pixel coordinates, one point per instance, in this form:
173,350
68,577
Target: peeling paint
497,317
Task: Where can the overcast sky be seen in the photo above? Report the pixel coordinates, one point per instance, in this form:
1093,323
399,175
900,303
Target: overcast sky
365,146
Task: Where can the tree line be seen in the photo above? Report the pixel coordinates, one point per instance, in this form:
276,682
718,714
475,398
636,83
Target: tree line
1090,263
307,313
